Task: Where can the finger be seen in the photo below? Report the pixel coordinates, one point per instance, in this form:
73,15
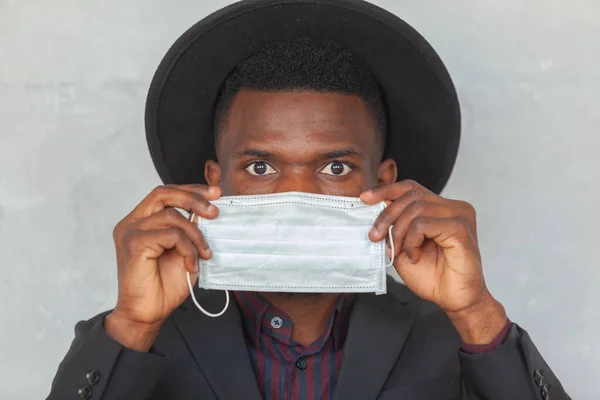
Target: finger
152,244
413,198
415,210
446,232
209,192
391,191
169,218
399,259
162,197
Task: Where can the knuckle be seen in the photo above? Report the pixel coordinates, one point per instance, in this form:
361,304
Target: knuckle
417,207
160,190
198,198
467,207
383,218
419,222
183,242
461,225
172,215
472,212
178,235
388,218
131,240
411,184
459,220
120,230
380,223
414,194
117,233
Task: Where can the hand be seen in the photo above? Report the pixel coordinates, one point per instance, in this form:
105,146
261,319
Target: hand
156,246
437,255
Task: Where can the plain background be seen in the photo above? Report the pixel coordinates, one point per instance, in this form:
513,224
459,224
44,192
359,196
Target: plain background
73,162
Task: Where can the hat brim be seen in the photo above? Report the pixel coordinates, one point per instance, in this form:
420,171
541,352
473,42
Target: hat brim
421,101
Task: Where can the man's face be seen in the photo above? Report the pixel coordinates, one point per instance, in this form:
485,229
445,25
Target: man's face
324,143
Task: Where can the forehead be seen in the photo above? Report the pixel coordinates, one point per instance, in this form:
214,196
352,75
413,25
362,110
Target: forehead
298,118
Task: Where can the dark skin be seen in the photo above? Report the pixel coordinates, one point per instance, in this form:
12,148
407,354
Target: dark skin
324,143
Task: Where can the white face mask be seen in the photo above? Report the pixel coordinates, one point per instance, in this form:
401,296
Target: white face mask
292,242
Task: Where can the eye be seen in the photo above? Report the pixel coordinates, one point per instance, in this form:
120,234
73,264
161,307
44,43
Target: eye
336,168
260,168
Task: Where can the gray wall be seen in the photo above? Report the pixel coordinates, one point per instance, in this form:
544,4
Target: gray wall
73,161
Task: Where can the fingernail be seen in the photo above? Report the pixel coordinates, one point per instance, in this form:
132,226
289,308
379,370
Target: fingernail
374,232
197,269
213,189
212,209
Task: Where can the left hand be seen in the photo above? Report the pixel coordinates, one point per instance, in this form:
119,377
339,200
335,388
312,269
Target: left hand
436,248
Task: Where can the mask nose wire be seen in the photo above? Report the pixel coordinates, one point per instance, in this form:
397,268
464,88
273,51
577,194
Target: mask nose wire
191,287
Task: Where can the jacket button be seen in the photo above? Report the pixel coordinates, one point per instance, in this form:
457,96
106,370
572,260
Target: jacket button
85,392
92,376
538,377
545,392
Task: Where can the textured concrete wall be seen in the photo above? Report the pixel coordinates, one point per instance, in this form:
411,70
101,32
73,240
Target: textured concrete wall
73,161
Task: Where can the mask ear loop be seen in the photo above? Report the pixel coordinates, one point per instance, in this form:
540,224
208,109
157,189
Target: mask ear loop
189,281
391,239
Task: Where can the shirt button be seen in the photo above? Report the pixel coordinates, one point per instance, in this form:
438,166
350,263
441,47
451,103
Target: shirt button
85,392
545,393
92,376
301,363
538,377
276,322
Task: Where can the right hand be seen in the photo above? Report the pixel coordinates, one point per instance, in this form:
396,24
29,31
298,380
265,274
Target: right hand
156,246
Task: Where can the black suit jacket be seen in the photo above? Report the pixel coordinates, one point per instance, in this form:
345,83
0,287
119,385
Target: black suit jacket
398,347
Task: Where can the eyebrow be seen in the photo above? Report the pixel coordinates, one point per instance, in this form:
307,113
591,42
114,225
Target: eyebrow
252,153
342,153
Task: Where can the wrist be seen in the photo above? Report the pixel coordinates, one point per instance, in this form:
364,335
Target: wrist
480,323
131,334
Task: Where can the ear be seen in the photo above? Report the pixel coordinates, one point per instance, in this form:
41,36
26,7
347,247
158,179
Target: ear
387,172
212,173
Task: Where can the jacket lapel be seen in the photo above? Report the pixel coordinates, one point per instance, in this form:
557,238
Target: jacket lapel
379,326
218,345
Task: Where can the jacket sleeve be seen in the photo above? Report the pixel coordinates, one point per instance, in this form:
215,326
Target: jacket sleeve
97,367
513,370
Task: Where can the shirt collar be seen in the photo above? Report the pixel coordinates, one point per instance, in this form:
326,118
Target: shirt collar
258,318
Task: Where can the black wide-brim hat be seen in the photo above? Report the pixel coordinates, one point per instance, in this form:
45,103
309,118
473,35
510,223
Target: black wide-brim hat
422,105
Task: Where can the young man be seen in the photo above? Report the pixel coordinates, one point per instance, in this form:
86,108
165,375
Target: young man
261,98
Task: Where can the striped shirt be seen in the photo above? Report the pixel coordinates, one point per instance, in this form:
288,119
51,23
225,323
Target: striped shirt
284,369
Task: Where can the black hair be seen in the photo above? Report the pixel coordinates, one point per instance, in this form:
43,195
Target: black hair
303,64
